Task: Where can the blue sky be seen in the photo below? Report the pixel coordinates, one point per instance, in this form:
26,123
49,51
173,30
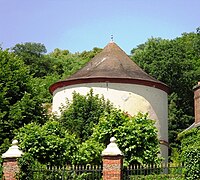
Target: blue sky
79,25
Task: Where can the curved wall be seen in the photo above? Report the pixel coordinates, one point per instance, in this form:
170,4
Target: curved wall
131,98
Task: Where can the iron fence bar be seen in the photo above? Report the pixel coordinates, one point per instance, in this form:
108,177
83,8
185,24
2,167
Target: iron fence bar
137,171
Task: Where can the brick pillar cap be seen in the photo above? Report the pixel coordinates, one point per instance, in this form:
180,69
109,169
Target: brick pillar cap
13,151
112,149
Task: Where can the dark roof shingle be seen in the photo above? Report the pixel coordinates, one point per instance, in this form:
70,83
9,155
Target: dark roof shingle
112,64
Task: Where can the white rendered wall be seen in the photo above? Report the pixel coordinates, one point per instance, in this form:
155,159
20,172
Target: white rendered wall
131,98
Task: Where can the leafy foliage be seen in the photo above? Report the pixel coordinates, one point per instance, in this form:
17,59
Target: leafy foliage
176,63
158,176
190,147
69,63
83,113
1,167
58,142
18,105
33,55
136,136
49,143
5,145
192,162
26,164
26,74
89,152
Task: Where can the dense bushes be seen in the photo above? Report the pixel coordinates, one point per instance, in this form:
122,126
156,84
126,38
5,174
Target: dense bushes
191,158
190,146
175,62
158,177
55,143
49,144
1,168
136,136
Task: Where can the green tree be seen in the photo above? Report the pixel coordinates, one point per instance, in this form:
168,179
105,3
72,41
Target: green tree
33,55
83,113
48,144
136,136
36,49
45,69
40,87
18,106
89,152
176,63
69,63
52,144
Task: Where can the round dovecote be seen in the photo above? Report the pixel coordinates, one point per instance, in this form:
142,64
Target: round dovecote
114,75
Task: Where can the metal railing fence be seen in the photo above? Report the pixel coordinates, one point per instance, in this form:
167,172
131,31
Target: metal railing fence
94,172
154,172
68,172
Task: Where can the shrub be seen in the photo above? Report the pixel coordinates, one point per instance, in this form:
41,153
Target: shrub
136,136
158,177
190,146
1,168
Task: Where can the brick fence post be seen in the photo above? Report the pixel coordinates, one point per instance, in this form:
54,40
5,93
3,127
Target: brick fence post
10,166
197,103
112,161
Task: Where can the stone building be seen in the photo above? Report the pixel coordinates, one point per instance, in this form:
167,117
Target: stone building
114,75
196,123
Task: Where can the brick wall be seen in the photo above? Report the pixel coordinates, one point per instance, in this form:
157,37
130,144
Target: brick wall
10,168
112,167
197,103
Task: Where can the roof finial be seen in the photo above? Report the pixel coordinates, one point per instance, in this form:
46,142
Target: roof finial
112,38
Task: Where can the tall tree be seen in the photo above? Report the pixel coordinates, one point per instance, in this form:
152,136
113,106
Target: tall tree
18,105
177,63
33,55
80,116
69,63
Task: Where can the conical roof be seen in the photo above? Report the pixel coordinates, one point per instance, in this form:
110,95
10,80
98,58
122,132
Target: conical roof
111,65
